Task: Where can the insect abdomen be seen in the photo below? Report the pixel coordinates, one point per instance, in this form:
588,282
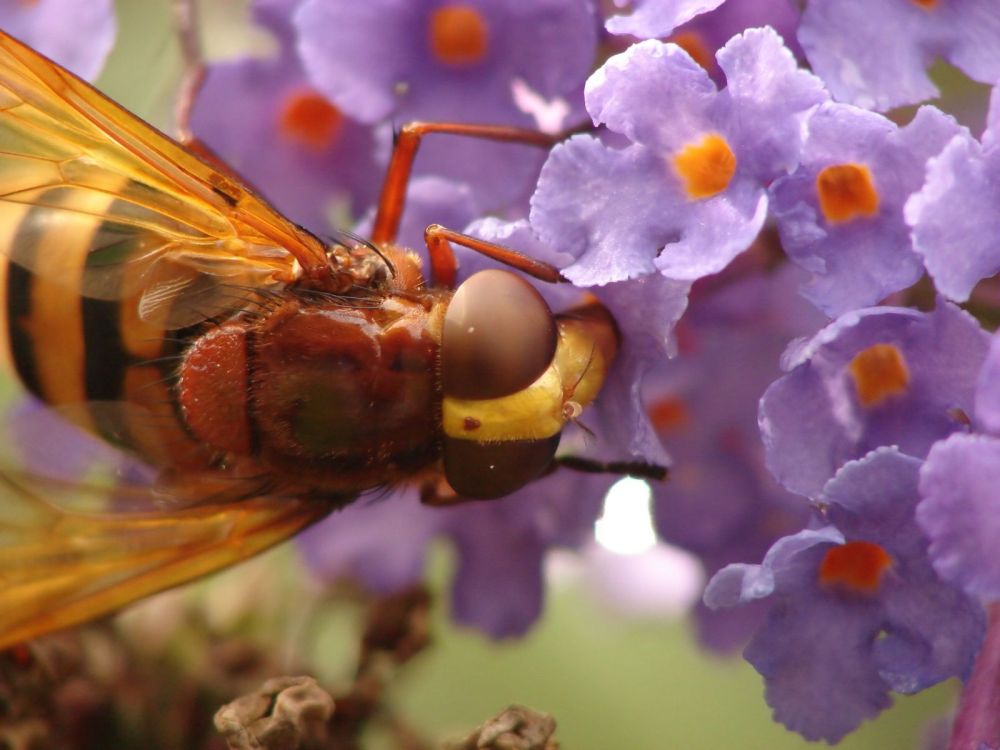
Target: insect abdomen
93,360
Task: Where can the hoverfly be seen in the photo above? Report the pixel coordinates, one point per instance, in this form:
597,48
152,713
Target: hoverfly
259,377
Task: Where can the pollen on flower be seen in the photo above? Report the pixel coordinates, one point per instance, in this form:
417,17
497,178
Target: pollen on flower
846,191
668,414
693,43
309,119
927,4
854,566
879,372
706,167
458,35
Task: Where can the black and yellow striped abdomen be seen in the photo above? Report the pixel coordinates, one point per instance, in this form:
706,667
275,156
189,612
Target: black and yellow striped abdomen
93,360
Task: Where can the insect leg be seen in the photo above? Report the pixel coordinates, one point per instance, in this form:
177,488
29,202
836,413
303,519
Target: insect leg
390,204
186,20
637,469
443,267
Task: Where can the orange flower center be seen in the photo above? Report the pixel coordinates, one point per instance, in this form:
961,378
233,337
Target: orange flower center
846,191
308,119
855,566
692,43
668,414
458,35
706,167
879,372
926,4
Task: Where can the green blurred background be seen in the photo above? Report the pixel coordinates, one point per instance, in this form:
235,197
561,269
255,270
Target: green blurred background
610,682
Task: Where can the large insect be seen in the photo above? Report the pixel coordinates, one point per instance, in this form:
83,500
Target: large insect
251,377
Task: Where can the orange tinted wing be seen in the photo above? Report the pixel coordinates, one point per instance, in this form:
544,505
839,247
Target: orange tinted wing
60,568
161,218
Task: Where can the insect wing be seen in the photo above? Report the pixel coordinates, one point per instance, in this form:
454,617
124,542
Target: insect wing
159,221
59,568
110,235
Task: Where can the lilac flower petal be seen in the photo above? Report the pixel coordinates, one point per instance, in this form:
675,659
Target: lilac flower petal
715,232
246,112
360,74
717,27
786,562
958,512
547,45
991,135
498,584
382,544
987,409
860,261
620,92
815,659
657,18
765,84
77,35
955,222
933,633
875,55
873,498
932,629
851,47
811,419
975,25
617,197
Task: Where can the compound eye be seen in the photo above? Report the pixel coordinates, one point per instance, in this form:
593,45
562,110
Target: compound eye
499,337
484,471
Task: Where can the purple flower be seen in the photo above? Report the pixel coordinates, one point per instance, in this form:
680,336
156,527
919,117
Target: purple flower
650,19
380,542
263,118
875,53
450,62
720,503
703,35
881,376
840,213
856,608
501,546
687,194
958,484
77,35
956,225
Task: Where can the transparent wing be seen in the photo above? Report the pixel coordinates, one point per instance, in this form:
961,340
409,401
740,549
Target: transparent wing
160,220
60,568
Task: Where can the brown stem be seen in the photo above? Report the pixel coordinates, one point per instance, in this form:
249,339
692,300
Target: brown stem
977,724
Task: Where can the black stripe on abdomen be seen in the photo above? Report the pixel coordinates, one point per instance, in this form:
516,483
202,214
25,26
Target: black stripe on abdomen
21,341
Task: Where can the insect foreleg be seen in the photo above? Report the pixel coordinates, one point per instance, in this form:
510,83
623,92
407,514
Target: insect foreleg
397,177
444,268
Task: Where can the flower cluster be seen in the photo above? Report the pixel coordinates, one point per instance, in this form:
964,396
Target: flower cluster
802,276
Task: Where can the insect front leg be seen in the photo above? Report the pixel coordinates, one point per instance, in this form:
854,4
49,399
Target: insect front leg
393,197
444,267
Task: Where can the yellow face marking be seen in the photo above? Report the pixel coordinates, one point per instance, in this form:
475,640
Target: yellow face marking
706,167
846,192
541,410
